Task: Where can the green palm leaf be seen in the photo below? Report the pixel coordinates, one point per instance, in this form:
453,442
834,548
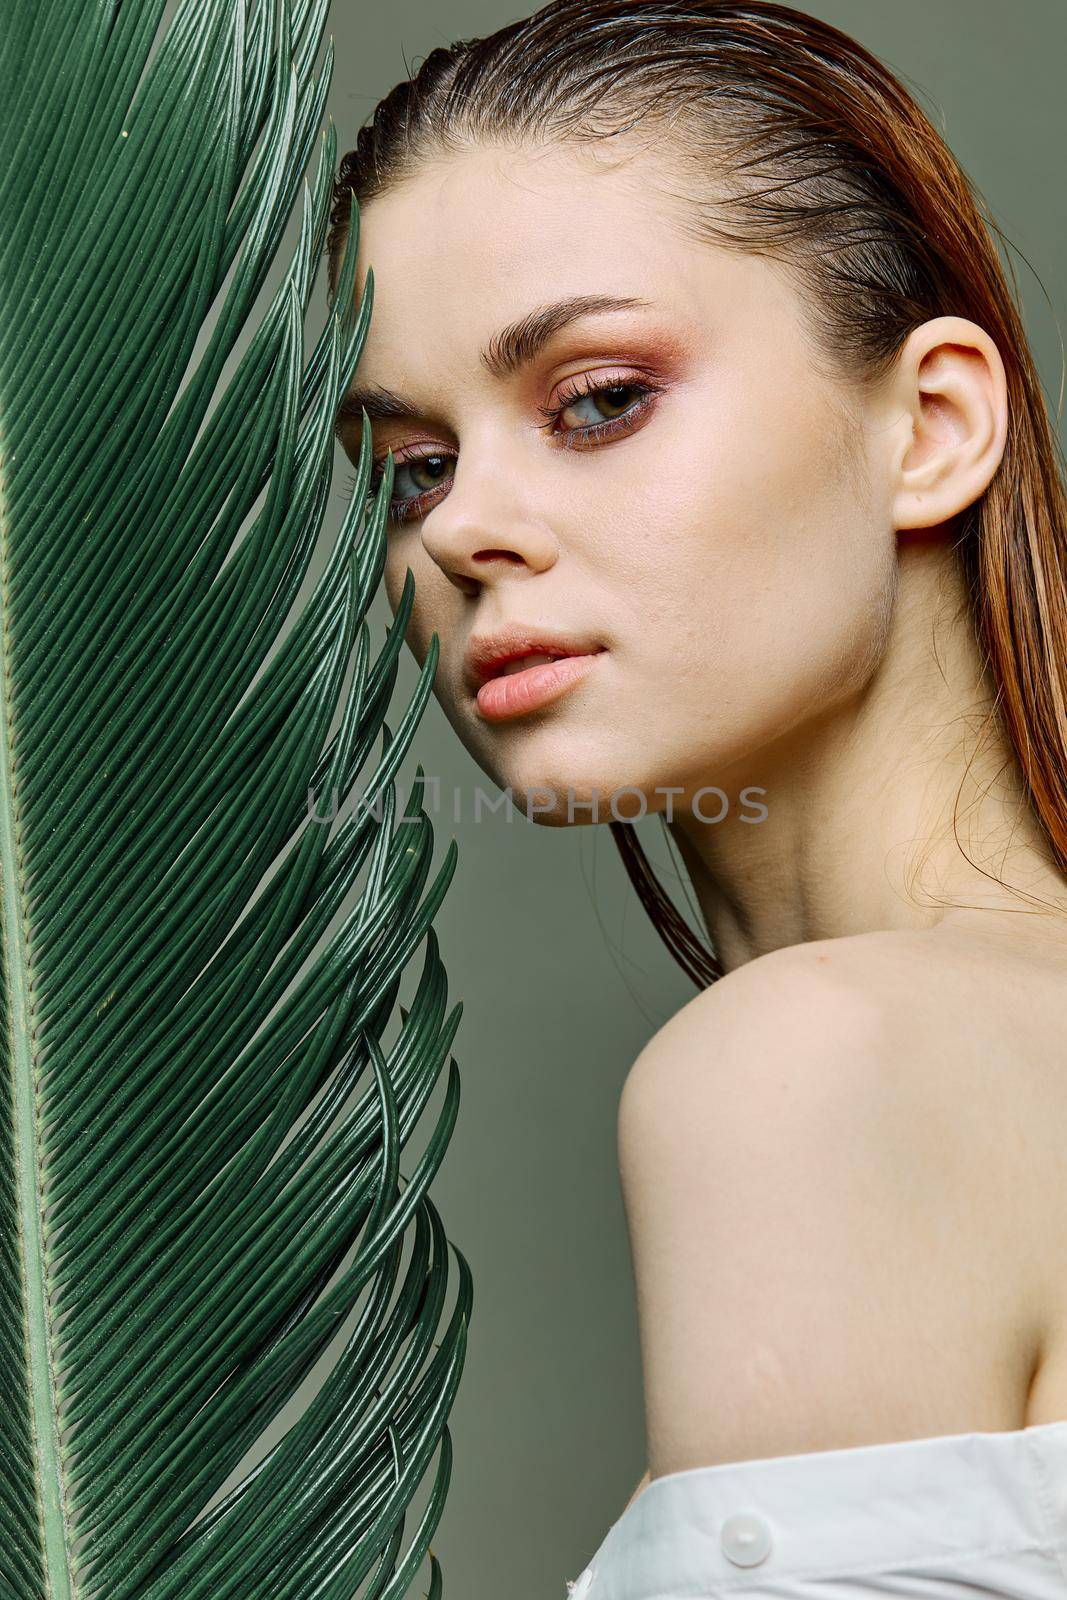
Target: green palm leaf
200,1129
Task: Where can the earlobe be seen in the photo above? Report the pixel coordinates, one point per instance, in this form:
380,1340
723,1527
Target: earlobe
950,377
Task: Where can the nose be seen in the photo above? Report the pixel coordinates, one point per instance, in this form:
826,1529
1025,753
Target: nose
482,531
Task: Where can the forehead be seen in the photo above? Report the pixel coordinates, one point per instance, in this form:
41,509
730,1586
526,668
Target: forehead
476,238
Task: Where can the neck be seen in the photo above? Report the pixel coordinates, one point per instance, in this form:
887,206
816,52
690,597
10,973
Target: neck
859,834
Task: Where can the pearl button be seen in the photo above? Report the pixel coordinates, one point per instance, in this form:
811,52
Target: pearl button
578,1587
746,1539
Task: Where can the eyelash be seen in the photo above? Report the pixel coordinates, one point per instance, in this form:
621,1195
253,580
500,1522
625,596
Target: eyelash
592,433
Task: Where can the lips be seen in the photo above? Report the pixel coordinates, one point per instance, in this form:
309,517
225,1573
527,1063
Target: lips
516,694
504,666
488,654
520,663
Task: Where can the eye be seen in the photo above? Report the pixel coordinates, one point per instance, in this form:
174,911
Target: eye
613,396
424,473
626,401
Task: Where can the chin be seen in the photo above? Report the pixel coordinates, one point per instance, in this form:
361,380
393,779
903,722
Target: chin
562,799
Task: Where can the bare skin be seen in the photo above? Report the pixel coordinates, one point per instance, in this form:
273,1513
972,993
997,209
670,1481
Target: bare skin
842,1162
854,1145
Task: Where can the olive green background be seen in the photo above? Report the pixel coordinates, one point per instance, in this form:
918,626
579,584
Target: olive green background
562,978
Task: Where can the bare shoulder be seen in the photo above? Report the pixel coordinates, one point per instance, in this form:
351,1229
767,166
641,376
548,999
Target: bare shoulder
825,1004
835,1240
798,1052
916,1013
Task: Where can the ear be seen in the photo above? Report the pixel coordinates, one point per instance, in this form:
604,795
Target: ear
949,381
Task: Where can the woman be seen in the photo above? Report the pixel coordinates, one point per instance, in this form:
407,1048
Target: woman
695,360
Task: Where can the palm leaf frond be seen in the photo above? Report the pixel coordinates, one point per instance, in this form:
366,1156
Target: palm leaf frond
200,1131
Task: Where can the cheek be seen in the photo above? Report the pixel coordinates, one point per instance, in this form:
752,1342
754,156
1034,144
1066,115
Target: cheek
405,550
430,604
393,578
758,569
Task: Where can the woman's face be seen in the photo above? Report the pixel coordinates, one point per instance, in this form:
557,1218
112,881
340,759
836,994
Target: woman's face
724,536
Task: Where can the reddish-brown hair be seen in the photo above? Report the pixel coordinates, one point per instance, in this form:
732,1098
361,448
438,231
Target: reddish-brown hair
798,144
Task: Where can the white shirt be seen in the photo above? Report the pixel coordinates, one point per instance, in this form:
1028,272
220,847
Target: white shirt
966,1516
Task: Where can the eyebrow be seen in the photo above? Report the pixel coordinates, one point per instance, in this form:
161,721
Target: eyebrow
506,353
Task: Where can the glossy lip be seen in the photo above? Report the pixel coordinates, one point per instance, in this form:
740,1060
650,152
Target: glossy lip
487,653
516,694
